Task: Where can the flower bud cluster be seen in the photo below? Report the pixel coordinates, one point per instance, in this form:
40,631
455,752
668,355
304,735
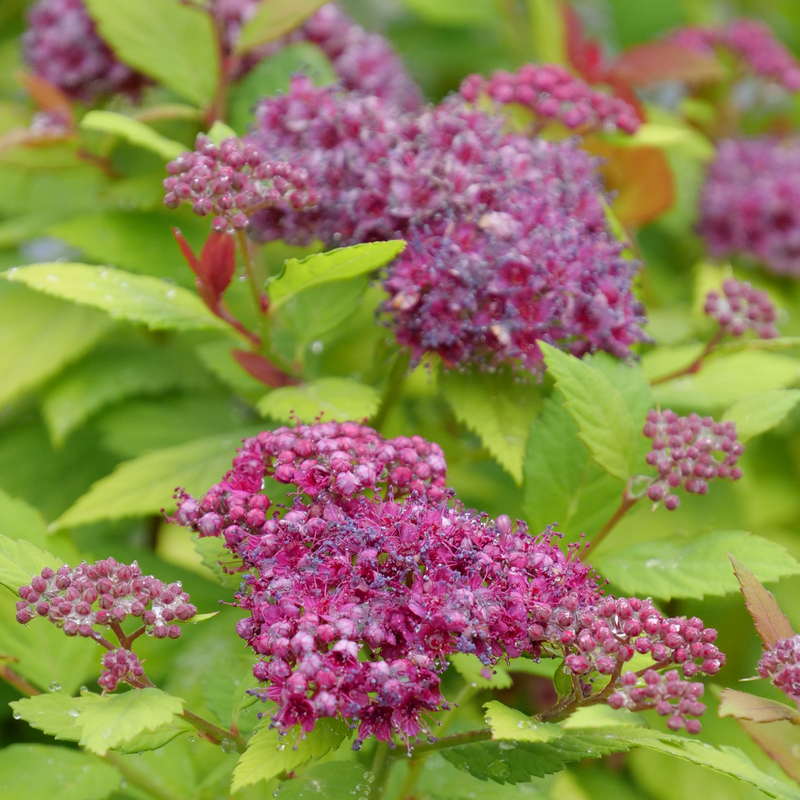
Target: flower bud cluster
689,452
667,694
231,180
781,665
507,239
750,203
741,307
355,601
61,45
553,93
119,666
751,41
104,593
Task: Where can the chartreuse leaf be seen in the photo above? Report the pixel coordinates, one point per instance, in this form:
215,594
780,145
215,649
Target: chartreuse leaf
99,723
563,483
20,561
770,622
336,780
213,555
335,265
741,705
171,42
508,724
470,668
42,772
268,754
39,336
693,565
110,374
123,295
156,739
453,12
604,421
498,409
146,484
336,398
728,379
761,412
273,19
225,685
133,131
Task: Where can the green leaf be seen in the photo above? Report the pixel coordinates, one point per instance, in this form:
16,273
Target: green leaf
508,724
337,780
272,20
499,409
171,42
728,379
604,421
141,242
225,685
212,553
563,483
55,713
548,31
111,374
470,668
39,336
133,131
455,13
741,705
496,761
770,622
693,565
762,412
155,740
683,138
273,75
268,754
118,718
123,295
216,356
664,361
335,265
43,772
337,398
20,561
146,484
219,131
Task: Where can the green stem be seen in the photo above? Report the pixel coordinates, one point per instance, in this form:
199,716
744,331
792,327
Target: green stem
256,284
137,778
627,503
455,740
697,363
391,392
381,767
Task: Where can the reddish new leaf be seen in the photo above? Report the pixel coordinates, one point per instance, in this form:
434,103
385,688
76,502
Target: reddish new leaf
263,369
218,262
663,61
771,623
780,741
584,55
741,705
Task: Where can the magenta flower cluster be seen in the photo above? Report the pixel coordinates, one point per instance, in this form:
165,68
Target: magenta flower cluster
781,665
104,593
120,666
355,600
232,180
741,307
554,94
689,452
62,46
507,238
750,203
667,694
751,41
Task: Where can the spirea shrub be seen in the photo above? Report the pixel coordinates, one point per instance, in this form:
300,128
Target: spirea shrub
740,307
507,239
781,665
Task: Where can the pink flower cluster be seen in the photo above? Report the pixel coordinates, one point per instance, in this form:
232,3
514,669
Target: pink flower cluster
667,694
120,666
741,307
553,93
61,45
507,238
781,665
104,593
232,180
689,452
753,42
750,203
355,601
